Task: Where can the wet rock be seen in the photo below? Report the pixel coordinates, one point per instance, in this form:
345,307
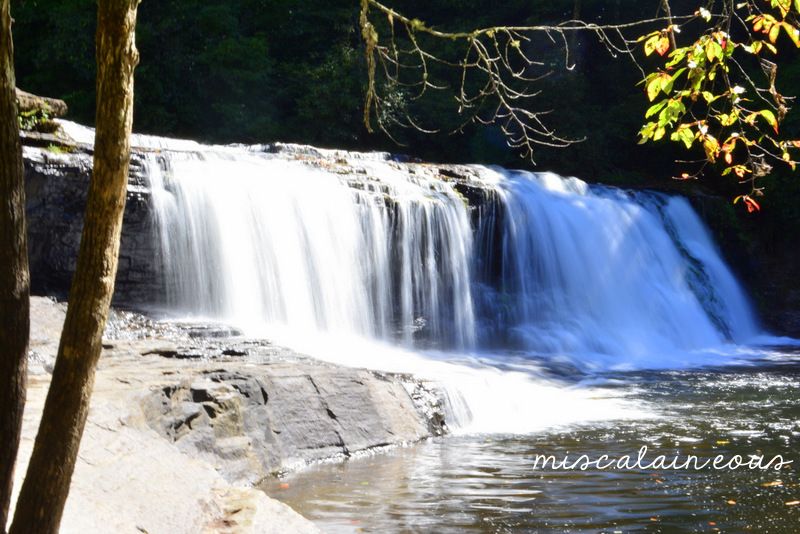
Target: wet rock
254,421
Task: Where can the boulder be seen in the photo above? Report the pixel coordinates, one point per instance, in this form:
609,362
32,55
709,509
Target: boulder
28,102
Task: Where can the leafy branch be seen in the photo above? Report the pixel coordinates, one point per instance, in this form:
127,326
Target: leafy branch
497,70
717,92
706,93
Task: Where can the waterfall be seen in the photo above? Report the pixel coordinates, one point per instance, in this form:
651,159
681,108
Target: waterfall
488,284
272,242
620,278
551,266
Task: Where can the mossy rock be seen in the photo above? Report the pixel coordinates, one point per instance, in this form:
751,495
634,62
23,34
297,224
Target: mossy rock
30,103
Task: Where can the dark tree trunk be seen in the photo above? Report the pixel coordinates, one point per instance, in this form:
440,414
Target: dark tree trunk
46,486
14,281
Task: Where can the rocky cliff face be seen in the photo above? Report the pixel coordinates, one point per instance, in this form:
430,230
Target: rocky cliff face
57,182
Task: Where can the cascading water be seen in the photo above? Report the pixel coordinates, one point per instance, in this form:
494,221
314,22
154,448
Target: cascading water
389,267
275,243
622,279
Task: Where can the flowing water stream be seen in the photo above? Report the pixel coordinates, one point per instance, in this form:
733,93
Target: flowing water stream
558,317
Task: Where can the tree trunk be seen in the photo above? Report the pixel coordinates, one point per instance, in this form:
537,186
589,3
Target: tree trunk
14,280
46,485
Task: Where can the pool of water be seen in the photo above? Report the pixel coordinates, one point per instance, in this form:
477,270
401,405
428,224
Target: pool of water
490,483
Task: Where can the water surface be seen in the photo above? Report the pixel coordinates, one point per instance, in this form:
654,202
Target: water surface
488,483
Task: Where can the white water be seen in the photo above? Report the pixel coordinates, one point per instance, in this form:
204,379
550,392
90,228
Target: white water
390,270
623,280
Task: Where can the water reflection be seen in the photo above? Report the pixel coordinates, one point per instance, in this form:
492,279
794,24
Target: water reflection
489,484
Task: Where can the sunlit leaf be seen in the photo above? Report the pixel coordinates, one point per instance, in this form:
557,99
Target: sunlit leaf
662,46
792,32
773,33
770,118
683,134
655,108
650,45
711,146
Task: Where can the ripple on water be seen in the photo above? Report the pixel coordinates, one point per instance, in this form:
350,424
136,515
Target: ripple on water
488,483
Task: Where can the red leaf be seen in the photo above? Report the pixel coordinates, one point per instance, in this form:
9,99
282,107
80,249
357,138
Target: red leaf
662,46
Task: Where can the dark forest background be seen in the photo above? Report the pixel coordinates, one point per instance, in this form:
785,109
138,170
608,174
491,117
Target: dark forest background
293,71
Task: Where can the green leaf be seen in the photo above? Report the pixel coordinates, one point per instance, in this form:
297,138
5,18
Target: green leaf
770,118
678,54
653,88
683,134
713,51
674,77
650,45
773,33
792,32
655,108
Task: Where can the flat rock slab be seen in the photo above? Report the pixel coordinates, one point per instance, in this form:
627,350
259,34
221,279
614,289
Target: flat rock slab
256,420
176,443
128,479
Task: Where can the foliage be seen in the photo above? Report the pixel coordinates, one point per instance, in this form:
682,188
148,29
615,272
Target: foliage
706,93
292,70
30,121
59,149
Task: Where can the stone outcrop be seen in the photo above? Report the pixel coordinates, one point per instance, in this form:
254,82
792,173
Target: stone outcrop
36,113
57,182
253,422
28,102
185,420
129,479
